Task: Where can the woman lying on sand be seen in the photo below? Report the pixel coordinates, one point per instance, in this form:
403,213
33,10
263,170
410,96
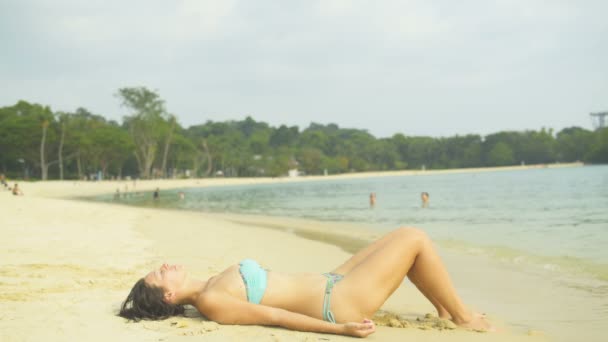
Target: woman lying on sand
339,302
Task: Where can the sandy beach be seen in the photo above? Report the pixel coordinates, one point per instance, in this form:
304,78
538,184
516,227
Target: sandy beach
67,265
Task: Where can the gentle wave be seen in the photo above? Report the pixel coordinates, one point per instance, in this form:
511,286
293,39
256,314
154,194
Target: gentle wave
557,265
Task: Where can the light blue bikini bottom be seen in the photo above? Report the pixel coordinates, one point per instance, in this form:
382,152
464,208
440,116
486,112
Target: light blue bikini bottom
255,279
332,279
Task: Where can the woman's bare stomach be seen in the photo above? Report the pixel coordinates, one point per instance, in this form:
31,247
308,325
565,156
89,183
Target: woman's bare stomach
301,292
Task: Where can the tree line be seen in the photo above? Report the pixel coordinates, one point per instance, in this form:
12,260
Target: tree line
36,142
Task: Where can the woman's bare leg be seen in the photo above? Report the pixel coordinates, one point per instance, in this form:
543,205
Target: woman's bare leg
408,252
377,245
441,311
363,253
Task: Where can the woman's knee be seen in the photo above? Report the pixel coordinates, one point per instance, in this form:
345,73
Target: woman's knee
412,234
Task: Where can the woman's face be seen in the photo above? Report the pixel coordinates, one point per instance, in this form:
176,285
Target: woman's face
167,277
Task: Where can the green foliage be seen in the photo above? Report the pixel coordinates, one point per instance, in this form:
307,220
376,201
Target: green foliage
599,148
27,130
501,155
574,144
149,124
310,160
80,143
111,148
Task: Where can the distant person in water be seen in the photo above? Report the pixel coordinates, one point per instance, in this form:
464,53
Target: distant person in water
156,194
339,302
17,191
117,194
182,195
425,199
372,199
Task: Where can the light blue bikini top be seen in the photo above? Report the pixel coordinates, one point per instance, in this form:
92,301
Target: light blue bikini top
255,279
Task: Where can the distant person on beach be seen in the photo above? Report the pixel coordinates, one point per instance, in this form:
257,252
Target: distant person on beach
17,191
339,302
3,180
117,194
372,199
425,199
156,194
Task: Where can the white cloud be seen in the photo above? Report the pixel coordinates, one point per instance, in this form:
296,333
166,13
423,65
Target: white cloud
201,18
357,63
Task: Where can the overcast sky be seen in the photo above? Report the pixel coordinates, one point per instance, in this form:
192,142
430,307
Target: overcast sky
437,68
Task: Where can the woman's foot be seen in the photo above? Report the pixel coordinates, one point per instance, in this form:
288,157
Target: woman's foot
478,322
443,314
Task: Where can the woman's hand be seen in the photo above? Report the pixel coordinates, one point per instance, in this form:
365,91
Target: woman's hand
359,329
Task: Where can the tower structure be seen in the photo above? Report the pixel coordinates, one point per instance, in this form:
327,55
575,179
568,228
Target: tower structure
599,119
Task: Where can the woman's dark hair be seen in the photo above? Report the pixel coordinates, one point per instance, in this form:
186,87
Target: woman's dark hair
146,302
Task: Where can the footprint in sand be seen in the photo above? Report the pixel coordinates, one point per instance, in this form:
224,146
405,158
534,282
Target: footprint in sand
429,321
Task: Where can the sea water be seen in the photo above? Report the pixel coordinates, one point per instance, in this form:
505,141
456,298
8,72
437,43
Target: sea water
557,217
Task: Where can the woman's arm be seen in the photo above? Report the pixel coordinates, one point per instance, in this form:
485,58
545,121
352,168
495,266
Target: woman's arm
229,310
